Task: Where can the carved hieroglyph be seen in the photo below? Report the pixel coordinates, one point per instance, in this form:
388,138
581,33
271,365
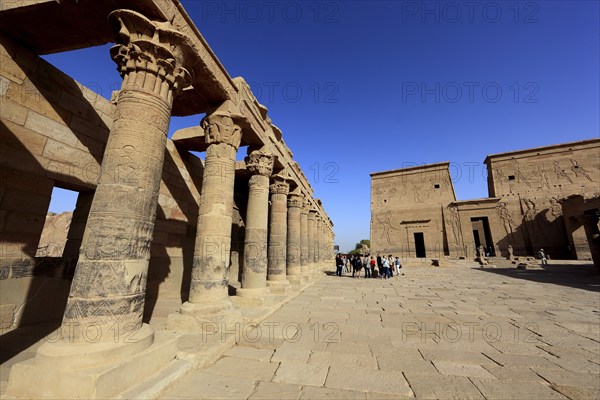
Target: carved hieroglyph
278,229
260,165
293,234
108,288
210,270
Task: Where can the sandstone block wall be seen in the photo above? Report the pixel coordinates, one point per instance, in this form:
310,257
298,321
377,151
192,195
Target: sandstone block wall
524,211
532,182
408,203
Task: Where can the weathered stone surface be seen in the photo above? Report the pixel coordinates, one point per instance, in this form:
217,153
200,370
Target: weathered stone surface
250,353
276,391
244,368
442,386
458,369
494,389
301,374
381,381
204,385
325,393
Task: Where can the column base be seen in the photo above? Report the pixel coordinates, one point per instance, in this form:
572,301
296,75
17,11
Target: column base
255,297
295,281
279,287
200,317
71,370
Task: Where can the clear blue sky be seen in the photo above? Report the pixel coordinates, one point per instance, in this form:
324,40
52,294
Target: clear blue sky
366,86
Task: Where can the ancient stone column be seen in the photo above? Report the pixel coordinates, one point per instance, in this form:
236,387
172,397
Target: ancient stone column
317,239
254,274
276,270
294,271
304,252
102,331
321,244
312,230
209,299
109,285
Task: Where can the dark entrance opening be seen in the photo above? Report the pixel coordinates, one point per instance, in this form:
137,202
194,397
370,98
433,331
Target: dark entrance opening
420,245
476,237
482,234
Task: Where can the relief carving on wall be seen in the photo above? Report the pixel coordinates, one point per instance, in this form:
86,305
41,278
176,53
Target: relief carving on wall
507,220
454,222
385,222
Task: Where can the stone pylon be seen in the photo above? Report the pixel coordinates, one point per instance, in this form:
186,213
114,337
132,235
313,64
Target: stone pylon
276,269
254,274
209,300
102,327
294,269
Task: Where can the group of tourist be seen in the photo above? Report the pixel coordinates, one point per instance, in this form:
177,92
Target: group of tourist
382,267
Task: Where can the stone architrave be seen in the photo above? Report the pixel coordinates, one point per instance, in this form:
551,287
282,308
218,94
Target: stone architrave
304,247
102,325
254,273
294,271
276,268
209,299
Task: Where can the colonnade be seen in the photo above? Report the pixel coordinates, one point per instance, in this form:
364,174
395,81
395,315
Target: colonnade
288,238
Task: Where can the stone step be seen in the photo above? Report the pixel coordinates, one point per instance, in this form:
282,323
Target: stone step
152,387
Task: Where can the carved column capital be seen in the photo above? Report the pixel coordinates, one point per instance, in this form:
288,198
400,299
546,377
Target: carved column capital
279,185
306,205
151,47
260,163
295,200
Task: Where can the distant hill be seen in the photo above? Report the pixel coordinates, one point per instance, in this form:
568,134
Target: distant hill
54,235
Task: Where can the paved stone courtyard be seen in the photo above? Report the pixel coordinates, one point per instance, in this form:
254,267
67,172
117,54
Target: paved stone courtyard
448,333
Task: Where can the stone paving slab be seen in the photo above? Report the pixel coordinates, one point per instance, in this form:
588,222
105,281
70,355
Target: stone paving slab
513,374
431,386
324,393
495,389
276,391
391,382
203,385
458,369
243,368
250,353
301,374
455,333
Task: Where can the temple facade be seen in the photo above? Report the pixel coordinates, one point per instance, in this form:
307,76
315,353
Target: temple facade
542,198
154,224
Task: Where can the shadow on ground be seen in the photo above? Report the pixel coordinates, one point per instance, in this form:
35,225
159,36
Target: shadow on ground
584,277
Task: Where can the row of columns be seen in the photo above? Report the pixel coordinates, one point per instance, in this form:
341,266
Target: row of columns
109,285
108,290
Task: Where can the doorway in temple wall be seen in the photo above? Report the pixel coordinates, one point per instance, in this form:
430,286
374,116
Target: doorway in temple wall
482,235
420,245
